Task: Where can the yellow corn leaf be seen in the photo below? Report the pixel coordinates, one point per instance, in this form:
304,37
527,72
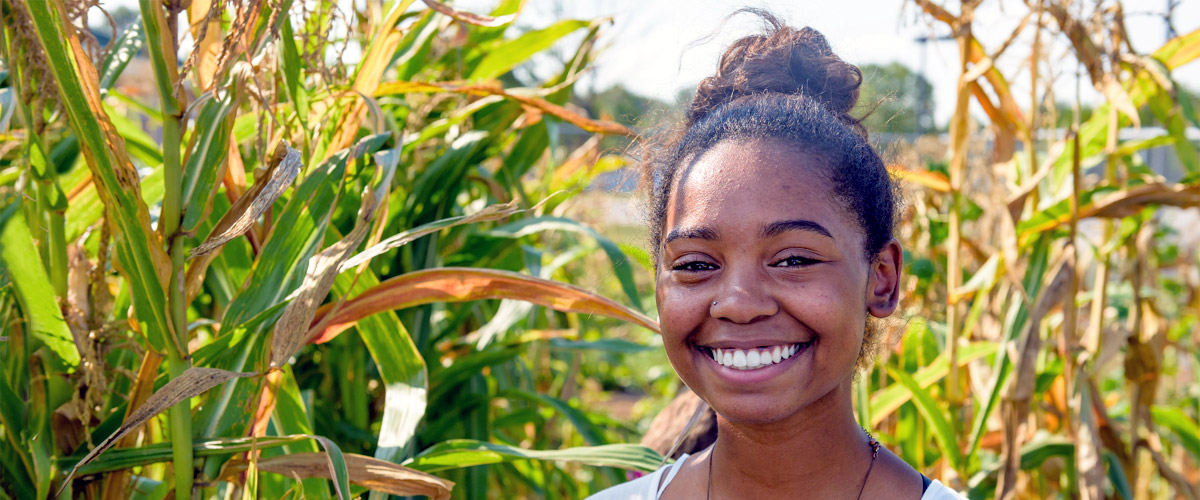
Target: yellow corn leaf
929,180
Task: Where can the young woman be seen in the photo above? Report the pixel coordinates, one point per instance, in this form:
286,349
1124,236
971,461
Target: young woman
772,226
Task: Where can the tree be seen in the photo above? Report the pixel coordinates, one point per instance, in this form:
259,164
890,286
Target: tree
897,99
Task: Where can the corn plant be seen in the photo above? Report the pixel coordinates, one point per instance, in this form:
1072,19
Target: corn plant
1052,338
266,276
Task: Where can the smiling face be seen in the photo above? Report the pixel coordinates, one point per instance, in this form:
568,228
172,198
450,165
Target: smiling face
763,286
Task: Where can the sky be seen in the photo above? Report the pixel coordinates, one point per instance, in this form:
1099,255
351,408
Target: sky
656,47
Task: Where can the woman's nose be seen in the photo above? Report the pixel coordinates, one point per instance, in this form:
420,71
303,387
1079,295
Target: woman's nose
743,297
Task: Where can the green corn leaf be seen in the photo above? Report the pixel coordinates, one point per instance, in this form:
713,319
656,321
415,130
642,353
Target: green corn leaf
888,400
591,433
451,378
298,230
1116,475
205,165
1181,425
1014,321
15,472
291,418
33,288
413,53
506,56
243,349
125,458
401,369
293,71
622,266
617,346
459,453
139,252
337,467
929,410
15,460
123,50
87,208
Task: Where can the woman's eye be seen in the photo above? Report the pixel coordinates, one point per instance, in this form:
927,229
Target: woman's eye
796,261
694,266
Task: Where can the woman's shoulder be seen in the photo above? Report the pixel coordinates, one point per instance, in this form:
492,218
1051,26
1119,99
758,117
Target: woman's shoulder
643,488
939,491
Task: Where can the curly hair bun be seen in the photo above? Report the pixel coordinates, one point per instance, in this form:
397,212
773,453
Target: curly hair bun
783,60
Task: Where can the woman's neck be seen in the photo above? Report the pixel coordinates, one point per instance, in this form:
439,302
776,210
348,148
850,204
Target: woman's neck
818,453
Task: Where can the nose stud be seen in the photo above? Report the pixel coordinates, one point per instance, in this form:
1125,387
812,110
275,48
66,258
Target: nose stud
714,302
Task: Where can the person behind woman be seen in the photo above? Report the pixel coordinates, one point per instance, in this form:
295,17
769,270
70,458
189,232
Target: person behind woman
772,225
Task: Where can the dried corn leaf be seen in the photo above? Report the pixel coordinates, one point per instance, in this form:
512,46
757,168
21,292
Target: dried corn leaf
323,268
451,284
190,383
268,185
470,18
484,89
1127,202
372,473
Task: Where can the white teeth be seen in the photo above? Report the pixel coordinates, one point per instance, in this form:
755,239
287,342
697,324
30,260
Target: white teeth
739,358
750,359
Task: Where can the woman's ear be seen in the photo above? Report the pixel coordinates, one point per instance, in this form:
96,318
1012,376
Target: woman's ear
883,283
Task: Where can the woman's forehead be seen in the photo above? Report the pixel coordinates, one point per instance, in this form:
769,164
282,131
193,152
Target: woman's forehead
749,172
756,183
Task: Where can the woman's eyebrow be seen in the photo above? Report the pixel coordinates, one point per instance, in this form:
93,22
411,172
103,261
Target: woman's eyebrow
780,227
702,233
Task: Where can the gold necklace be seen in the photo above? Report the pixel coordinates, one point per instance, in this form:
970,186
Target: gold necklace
870,442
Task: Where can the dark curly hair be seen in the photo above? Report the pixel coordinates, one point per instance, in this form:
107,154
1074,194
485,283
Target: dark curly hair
785,84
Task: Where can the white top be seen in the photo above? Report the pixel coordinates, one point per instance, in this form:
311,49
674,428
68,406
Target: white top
647,487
